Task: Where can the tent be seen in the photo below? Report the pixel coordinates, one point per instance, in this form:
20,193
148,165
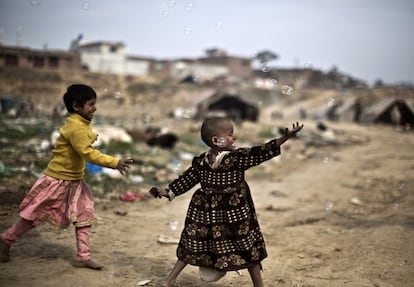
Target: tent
389,111
227,105
346,109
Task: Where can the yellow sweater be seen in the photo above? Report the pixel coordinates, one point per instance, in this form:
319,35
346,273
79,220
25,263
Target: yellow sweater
74,148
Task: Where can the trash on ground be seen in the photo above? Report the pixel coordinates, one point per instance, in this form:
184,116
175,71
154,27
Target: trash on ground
165,239
132,196
356,201
143,282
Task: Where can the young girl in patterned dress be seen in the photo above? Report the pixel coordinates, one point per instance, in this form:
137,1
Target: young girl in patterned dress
61,196
221,231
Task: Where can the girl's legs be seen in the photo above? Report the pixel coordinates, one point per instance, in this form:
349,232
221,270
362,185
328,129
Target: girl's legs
82,243
11,235
16,231
178,267
255,274
83,257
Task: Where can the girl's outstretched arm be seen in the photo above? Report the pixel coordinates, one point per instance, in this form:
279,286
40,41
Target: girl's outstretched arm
289,133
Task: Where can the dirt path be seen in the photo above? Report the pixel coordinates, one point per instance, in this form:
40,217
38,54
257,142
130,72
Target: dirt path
342,218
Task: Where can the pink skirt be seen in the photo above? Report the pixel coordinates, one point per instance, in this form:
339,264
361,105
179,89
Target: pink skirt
59,202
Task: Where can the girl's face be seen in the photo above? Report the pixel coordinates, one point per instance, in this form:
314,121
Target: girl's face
87,110
225,139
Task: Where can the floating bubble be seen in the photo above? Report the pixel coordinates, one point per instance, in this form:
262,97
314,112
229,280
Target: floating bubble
171,3
265,67
166,13
331,102
176,165
396,205
219,25
188,31
85,6
173,224
189,7
273,83
117,95
35,2
402,263
328,207
286,90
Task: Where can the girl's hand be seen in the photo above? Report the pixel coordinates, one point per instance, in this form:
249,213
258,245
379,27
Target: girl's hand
295,129
158,193
123,165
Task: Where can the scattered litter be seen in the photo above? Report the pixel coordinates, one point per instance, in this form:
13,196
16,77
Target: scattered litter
301,256
4,169
112,173
108,134
186,156
92,168
121,213
136,178
356,201
143,282
167,239
132,196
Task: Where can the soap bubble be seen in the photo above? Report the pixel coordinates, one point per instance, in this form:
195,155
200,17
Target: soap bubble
273,83
34,2
331,102
189,7
171,3
328,207
173,224
188,30
286,90
85,6
176,165
117,95
265,67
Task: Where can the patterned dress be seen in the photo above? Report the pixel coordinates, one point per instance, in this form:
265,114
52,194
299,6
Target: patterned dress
221,229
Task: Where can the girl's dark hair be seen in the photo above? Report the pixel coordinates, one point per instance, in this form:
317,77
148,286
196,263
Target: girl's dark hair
78,93
211,126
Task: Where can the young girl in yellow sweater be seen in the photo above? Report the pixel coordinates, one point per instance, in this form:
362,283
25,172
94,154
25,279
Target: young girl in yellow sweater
61,196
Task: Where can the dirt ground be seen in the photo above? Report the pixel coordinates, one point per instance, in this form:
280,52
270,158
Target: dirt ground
342,218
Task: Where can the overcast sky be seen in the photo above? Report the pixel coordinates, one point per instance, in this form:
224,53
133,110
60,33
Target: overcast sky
367,39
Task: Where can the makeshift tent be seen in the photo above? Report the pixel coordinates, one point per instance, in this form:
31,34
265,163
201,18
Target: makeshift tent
229,105
347,109
389,111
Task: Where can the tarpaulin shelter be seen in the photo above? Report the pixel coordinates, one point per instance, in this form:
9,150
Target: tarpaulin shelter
233,106
389,111
347,109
